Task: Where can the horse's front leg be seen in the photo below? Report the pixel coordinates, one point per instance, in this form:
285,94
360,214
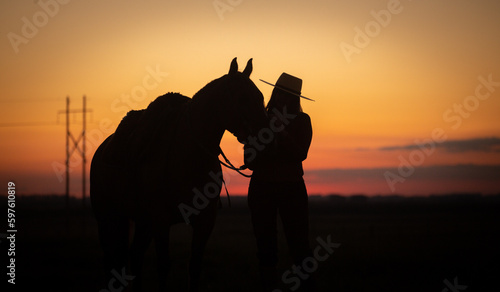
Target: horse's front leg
202,228
142,240
113,235
163,256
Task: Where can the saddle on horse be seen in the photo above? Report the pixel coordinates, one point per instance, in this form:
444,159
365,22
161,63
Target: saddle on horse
139,129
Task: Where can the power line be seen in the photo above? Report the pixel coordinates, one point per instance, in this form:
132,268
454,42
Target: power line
30,100
28,124
49,123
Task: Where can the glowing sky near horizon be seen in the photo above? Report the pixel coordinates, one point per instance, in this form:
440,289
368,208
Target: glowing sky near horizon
413,70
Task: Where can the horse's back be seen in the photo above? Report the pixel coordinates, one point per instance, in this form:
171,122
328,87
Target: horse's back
115,179
116,150
139,130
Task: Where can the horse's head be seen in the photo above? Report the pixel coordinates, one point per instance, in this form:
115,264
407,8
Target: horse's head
245,113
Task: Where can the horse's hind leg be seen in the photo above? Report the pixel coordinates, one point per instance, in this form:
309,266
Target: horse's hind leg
162,239
201,233
113,235
142,240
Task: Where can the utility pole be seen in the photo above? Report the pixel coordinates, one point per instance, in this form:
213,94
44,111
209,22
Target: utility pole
84,153
73,144
68,133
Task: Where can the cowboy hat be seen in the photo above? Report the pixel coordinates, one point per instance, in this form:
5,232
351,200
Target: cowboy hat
290,84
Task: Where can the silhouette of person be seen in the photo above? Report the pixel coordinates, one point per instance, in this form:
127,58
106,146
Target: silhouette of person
277,185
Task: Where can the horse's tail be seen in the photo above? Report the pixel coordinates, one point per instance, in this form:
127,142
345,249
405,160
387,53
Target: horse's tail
109,185
98,184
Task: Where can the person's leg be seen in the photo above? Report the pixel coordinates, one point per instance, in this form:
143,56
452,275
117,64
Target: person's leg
264,220
294,213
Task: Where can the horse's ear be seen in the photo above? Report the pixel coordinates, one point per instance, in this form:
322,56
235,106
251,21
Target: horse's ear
234,67
248,68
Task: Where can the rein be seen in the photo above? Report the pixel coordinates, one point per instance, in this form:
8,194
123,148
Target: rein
229,165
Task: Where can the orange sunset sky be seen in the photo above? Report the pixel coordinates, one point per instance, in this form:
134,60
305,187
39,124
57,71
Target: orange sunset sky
386,76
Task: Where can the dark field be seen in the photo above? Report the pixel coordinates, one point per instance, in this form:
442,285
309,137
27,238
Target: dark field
387,244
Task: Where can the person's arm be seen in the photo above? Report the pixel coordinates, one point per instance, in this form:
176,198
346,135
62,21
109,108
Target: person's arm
294,141
255,153
249,156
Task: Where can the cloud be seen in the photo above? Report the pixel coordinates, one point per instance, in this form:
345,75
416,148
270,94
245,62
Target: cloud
458,172
439,179
491,144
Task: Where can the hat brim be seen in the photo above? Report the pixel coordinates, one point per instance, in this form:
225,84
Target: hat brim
284,89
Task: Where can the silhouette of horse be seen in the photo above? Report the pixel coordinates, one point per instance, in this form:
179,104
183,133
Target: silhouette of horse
161,167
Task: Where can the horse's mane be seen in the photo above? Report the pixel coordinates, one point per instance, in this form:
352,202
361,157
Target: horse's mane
209,88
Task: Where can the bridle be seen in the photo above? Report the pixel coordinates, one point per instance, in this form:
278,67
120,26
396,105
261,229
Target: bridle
228,164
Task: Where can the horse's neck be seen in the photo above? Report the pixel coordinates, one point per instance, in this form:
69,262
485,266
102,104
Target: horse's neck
205,125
